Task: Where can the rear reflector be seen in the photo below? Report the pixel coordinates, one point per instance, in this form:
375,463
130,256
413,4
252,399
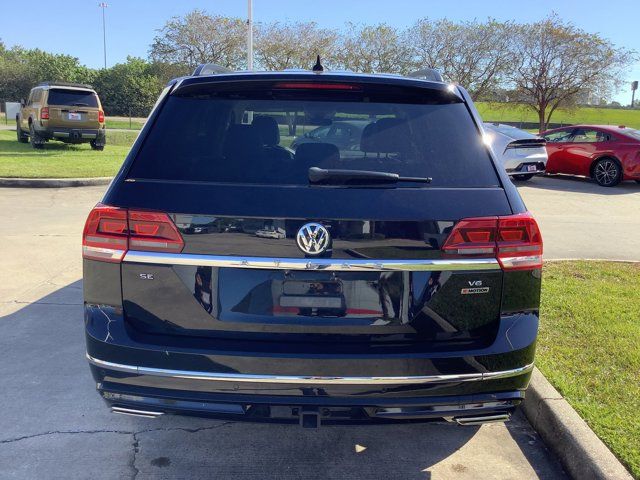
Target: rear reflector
514,240
110,231
317,86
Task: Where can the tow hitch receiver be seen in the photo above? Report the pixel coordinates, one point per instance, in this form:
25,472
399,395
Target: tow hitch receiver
309,417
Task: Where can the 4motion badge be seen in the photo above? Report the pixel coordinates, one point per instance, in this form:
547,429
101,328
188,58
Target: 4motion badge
475,288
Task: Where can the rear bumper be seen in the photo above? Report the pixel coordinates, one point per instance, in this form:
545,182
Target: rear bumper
526,168
243,380
74,135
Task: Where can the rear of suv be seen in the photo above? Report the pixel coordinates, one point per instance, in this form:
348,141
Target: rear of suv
403,283
67,112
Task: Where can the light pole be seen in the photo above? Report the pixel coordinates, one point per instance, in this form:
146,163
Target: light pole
250,35
103,6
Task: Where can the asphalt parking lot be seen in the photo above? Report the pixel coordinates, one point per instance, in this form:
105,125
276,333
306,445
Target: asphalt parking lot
54,425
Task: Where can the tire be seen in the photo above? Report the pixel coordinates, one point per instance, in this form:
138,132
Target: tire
523,178
95,146
22,137
607,172
36,141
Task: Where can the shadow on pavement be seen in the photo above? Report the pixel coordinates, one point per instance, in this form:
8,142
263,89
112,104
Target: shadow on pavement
570,183
54,425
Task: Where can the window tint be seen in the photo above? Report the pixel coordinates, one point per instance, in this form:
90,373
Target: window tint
79,98
584,135
277,141
560,136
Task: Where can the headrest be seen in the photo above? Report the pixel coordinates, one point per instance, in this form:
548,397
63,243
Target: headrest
317,154
367,140
392,135
267,128
387,135
241,140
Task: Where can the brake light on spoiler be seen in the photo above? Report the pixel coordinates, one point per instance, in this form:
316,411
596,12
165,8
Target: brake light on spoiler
110,231
514,240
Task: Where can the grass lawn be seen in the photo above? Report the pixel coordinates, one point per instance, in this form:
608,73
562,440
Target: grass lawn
510,112
59,160
123,123
589,347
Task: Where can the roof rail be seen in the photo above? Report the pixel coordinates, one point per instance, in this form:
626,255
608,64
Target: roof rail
210,69
63,84
427,74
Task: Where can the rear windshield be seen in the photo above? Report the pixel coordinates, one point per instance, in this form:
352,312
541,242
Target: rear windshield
79,98
276,141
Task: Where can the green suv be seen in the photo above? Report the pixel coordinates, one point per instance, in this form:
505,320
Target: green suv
68,112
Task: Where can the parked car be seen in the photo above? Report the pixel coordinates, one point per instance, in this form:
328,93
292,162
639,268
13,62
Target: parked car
523,155
277,233
345,134
408,290
608,154
67,112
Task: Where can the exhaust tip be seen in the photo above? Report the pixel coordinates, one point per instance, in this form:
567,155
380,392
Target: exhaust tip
481,419
136,413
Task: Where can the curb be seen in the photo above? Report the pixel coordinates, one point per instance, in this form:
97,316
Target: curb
53,182
581,452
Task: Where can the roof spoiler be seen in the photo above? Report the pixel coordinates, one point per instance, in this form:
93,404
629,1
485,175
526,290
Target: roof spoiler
64,84
210,69
427,74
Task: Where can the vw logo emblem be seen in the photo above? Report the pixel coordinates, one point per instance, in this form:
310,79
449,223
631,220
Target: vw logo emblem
313,238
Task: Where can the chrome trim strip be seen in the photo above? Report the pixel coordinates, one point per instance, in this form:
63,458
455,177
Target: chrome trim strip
308,379
136,413
333,264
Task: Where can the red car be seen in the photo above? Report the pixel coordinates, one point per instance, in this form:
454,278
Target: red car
605,153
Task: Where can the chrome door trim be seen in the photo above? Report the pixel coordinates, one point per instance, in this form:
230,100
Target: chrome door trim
332,264
308,379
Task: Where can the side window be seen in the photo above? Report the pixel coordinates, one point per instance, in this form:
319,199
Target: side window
319,132
342,131
37,96
583,135
30,99
560,136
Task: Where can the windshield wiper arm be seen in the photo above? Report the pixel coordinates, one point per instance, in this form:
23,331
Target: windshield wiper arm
358,177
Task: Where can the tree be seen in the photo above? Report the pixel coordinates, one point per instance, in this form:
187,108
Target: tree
293,45
129,88
472,54
377,48
22,69
201,38
554,62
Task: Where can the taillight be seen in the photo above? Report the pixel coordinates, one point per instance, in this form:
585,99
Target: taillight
519,242
44,113
153,231
110,231
105,234
514,240
100,116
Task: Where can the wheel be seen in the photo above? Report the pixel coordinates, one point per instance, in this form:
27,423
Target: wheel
36,141
607,172
22,137
95,146
523,178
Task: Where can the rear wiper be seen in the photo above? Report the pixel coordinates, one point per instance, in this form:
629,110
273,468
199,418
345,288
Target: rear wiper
358,177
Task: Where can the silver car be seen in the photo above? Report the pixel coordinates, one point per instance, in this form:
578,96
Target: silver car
523,154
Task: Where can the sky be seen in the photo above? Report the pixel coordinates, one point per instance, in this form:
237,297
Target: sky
74,27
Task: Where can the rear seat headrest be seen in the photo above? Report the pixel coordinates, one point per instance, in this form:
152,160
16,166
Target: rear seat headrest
317,154
267,128
386,135
241,140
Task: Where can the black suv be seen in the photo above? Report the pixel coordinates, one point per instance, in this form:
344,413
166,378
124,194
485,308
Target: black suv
398,279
